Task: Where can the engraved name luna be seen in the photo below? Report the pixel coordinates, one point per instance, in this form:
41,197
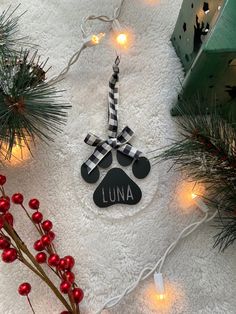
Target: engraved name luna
117,194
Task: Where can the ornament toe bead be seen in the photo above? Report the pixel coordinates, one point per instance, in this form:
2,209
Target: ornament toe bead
141,168
89,178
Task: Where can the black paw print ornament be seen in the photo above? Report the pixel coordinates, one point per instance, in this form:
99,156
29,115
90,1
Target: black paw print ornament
116,187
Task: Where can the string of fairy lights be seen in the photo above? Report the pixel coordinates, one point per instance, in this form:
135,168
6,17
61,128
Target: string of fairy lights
121,37
156,270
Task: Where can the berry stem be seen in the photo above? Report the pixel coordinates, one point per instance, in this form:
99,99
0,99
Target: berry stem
55,272
53,248
30,304
38,228
28,215
26,263
72,302
41,230
3,191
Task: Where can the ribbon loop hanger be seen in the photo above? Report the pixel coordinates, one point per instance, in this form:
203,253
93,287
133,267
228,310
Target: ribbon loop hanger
115,141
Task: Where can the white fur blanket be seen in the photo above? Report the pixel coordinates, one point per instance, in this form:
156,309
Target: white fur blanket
111,246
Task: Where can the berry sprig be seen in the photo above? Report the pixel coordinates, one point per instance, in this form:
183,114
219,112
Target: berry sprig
14,249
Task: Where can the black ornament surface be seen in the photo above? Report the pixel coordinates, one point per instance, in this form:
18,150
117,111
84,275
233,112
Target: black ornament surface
123,159
95,174
106,161
141,167
117,188
92,177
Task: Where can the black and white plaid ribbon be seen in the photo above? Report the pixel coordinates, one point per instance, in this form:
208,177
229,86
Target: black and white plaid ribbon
114,141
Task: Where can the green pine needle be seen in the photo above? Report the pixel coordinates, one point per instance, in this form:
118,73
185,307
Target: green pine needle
206,153
226,237
29,106
8,32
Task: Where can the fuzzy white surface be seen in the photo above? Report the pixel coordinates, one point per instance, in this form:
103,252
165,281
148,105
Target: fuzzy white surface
112,246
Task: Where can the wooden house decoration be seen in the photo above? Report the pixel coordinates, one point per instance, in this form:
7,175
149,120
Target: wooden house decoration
205,40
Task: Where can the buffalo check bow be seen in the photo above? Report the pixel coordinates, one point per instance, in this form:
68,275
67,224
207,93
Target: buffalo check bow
114,141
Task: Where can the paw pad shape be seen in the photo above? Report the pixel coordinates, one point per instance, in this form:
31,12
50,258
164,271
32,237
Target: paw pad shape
117,187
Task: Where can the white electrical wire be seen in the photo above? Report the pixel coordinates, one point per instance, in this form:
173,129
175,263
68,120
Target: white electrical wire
102,18
147,270
74,58
72,61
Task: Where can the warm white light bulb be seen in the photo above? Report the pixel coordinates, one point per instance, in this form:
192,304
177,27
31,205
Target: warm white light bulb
121,35
122,39
97,38
93,40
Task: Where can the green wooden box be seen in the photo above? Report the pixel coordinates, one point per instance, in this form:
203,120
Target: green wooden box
205,40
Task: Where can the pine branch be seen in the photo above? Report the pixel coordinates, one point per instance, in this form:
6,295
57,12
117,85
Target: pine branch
227,235
8,32
206,153
29,106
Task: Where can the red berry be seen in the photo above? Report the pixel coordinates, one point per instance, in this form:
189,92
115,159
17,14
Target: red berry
9,255
3,179
37,217
65,312
9,219
47,225
46,240
24,289
17,198
69,276
53,260
78,295
5,198
51,234
63,264
5,243
41,257
4,205
65,287
70,260
34,204
38,245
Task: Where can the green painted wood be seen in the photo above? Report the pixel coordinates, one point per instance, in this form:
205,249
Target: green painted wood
193,21
211,70
223,38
